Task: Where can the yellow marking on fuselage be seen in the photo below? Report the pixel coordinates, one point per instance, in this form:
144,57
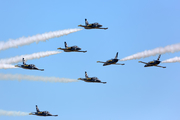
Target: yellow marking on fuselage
39,112
89,25
109,60
151,62
88,78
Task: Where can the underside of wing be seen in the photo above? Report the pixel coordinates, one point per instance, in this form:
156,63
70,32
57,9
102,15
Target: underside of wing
100,62
119,64
161,66
143,62
102,28
61,48
81,51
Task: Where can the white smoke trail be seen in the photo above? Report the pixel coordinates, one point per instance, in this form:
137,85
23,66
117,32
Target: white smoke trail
34,78
172,60
36,38
38,55
12,113
6,66
147,53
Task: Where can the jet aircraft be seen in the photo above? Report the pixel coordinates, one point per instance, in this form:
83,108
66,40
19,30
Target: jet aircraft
26,66
91,79
112,61
41,113
92,25
71,49
153,63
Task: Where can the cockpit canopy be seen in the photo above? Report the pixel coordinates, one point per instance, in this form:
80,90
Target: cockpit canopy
32,65
96,23
75,46
46,111
95,78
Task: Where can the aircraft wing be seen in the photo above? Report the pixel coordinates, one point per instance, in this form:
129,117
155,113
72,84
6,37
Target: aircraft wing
161,66
41,69
104,82
143,62
17,66
100,62
102,28
119,64
61,48
81,51
81,26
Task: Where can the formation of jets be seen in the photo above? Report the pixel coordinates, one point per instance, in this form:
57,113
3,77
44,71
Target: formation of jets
86,79
41,113
78,49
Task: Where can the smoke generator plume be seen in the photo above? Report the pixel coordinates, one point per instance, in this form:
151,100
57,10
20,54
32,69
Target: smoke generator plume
35,78
7,66
12,113
172,60
38,55
147,53
36,38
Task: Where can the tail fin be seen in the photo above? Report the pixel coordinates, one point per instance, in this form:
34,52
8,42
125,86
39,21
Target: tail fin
86,75
23,61
159,57
116,55
37,109
65,44
86,22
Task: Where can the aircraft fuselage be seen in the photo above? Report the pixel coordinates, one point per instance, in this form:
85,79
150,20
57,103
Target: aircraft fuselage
152,63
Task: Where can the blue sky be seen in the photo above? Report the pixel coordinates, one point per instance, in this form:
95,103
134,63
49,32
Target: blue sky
132,92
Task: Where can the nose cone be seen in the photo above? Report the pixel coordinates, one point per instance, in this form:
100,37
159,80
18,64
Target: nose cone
145,66
79,48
